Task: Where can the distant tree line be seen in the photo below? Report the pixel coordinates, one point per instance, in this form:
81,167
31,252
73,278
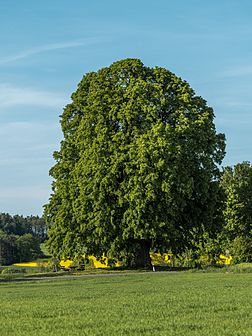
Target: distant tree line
20,238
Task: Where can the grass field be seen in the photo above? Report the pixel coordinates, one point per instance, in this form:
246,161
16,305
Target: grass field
143,304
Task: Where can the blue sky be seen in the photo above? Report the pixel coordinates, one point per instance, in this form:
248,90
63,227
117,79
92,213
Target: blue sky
47,46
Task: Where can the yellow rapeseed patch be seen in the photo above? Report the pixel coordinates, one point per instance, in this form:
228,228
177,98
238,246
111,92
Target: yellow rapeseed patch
103,263
66,263
27,264
225,260
31,264
156,259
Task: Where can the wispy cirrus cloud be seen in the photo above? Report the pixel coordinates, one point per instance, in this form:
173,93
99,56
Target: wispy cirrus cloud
238,71
28,141
25,200
15,96
46,48
36,191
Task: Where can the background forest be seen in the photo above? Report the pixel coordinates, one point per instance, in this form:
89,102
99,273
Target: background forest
20,238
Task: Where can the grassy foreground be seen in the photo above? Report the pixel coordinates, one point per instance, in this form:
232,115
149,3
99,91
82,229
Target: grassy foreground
142,304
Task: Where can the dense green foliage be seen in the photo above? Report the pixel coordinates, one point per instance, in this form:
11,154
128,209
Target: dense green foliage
234,236
137,168
18,248
166,304
237,232
20,238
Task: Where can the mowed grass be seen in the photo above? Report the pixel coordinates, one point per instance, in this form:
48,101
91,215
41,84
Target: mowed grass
143,304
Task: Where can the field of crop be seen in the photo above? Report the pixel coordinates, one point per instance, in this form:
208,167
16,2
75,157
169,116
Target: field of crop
137,304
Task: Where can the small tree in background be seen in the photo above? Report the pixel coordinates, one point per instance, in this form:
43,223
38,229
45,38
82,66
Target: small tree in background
237,233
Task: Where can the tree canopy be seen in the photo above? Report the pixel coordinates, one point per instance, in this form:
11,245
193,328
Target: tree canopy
137,168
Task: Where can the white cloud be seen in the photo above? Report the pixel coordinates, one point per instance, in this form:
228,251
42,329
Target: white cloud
240,71
241,103
24,162
45,48
26,126
28,141
25,200
37,192
12,96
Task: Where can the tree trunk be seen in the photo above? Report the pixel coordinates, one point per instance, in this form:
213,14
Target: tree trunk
141,258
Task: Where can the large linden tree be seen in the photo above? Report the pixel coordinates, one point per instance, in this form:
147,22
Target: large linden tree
137,168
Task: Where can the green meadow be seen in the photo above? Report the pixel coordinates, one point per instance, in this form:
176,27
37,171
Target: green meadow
136,304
